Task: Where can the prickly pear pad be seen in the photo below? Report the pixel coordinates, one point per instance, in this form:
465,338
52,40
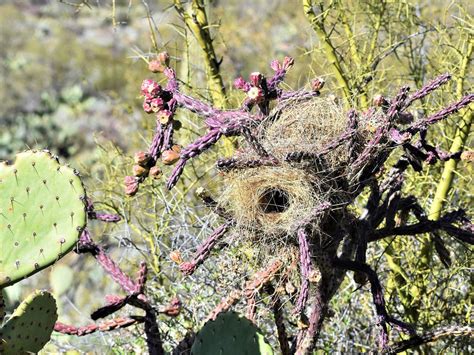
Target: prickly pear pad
230,333
31,325
42,213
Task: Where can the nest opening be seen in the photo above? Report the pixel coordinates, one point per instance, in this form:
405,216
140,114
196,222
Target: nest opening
274,200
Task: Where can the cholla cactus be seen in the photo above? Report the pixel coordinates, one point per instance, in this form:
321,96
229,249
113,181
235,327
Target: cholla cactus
290,185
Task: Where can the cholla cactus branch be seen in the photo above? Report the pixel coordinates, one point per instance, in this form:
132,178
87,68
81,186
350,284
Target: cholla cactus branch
464,233
112,324
432,336
191,151
86,244
104,217
227,303
205,249
141,279
278,316
236,163
305,266
440,115
376,288
253,287
427,89
306,337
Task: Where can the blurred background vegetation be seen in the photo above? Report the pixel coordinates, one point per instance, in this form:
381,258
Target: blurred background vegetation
70,74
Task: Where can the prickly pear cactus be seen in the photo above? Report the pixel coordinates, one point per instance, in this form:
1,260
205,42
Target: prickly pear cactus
42,213
30,327
230,333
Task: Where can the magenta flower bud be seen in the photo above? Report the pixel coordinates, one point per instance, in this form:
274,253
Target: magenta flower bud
156,104
241,84
275,65
288,63
256,78
150,88
147,106
255,94
317,84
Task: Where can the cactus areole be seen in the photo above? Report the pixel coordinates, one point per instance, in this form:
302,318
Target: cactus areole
42,214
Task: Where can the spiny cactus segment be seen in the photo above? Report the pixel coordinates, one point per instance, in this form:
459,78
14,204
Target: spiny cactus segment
30,326
230,333
42,214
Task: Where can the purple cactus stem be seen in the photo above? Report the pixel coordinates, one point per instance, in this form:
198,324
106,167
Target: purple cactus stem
205,249
111,307
232,299
167,137
86,244
305,267
109,325
428,88
107,217
141,278
236,163
440,115
157,142
377,295
195,148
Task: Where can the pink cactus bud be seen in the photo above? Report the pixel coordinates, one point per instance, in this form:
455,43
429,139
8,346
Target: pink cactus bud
150,88
317,84
131,185
288,63
275,65
241,84
156,66
169,157
155,172
164,116
255,94
142,158
156,104
147,106
164,58
139,171
256,78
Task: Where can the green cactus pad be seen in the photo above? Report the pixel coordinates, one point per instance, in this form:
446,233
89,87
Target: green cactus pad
30,327
230,333
42,213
